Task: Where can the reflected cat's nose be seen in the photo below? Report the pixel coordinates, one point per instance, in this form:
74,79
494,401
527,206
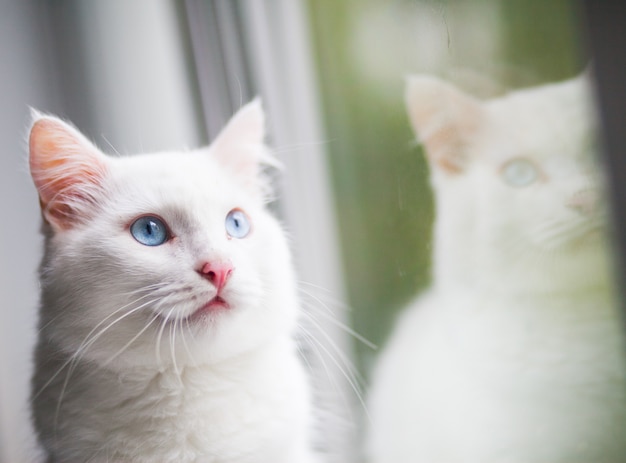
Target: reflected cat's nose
584,201
217,273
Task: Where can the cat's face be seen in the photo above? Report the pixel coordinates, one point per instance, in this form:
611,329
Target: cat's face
518,172
161,258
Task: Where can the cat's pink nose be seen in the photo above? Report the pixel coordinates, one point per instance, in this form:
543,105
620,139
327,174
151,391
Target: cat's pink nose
217,273
584,201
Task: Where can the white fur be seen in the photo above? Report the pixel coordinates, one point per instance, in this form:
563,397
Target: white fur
121,374
514,355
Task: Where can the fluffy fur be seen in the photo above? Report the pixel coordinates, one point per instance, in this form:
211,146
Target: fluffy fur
515,353
128,369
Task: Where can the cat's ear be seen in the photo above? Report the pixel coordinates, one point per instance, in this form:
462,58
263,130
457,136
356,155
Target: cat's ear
67,170
444,119
241,148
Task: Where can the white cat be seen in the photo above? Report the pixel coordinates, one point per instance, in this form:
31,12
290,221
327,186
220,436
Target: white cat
168,305
514,355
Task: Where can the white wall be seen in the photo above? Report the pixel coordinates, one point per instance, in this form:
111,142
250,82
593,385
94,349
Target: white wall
26,79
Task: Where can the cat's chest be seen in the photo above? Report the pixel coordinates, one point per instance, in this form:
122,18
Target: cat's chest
530,328
506,379
204,414
510,341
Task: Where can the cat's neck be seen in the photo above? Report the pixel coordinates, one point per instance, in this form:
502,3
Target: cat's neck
183,375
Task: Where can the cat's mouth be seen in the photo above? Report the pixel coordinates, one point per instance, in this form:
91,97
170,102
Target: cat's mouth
216,304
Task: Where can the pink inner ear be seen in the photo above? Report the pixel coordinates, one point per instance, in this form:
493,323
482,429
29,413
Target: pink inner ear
444,119
64,165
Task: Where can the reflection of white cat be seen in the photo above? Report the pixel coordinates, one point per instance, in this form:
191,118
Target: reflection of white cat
514,354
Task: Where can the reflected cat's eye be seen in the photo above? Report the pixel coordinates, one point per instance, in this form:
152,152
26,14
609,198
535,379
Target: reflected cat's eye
237,224
519,173
149,231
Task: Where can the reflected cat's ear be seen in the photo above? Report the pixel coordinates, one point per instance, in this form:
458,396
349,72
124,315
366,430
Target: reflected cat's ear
444,120
240,145
67,170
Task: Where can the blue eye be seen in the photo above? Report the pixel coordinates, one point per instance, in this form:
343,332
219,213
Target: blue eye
520,173
237,224
149,231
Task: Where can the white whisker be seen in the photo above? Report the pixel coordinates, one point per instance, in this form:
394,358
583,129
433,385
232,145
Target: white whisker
314,345
339,324
347,363
164,322
73,361
89,340
94,338
173,350
328,299
157,345
127,345
348,377
184,338
153,288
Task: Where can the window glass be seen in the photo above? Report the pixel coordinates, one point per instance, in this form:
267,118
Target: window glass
364,51
475,229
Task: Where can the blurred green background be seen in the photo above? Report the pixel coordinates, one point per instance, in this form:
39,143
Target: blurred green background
364,49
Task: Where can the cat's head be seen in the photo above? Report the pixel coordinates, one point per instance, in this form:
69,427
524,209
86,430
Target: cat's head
512,175
160,257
